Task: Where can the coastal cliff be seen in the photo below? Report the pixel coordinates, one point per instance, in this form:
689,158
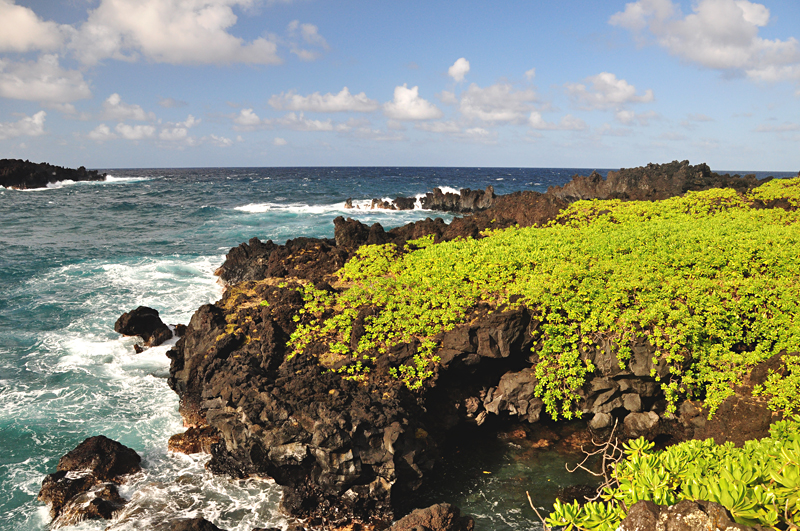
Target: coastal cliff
23,174
295,377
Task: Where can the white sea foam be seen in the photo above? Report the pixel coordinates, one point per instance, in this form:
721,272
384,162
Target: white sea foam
115,179
449,190
294,208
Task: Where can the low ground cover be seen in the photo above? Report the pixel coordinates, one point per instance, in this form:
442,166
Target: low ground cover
711,279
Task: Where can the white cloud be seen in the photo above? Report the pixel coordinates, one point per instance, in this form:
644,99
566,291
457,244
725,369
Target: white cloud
299,122
220,141
628,117
178,131
607,130
439,127
43,80
316,102
27,126
247,120
447,97
497,103
135,132
407,105
719,34
459,70
169,31
278,141
530,74
309,33
101,133
567,123
606,92
115,109
21,30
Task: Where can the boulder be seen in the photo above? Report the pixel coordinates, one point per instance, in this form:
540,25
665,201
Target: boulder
85,484
192,524
683,516
195,440
440,517
145,323
641,425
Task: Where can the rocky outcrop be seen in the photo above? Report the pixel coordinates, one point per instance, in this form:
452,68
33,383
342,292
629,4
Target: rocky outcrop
145,323
23,174
464,201
650,183
683,516
85,484
440,517
192,524
345,450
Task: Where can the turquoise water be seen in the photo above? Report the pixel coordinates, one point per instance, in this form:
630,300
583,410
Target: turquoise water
76,256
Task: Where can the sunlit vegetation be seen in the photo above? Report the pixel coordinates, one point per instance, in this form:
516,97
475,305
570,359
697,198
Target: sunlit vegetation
758,483
710,282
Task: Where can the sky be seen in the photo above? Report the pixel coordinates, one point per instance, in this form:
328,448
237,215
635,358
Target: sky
574,83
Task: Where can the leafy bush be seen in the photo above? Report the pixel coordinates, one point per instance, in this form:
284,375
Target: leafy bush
711,283
758,483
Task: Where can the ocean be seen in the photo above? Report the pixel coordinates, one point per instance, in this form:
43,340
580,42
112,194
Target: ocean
75,256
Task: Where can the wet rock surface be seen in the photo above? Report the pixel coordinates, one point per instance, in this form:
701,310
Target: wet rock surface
145,323
85,484
345,452
441,517
23,174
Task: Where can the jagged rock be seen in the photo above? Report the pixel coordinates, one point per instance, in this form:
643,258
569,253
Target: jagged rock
21,174
601,421
641,424
145,323
192,524
683,516
440,517
85,484
194,440
465,201
649,183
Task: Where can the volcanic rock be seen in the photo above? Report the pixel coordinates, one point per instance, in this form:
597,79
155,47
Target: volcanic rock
683,516
145,323
440,517
85,484
25,174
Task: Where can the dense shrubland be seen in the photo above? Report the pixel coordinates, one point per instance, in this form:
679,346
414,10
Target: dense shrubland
758,483
711,279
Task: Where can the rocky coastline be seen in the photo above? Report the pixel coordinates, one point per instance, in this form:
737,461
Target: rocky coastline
25,175
346,453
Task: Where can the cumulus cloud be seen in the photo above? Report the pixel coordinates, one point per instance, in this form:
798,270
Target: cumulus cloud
115,109
21,30
567,123
459,70
102,133
496,103
169,31
220,141
530,74
43,80
606,91
719,34
135,132
628,117
278,141
316,102
178,131
299,122
248,120
27,126
309,35
407,105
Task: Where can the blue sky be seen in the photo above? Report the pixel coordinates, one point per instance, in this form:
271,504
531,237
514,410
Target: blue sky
176,83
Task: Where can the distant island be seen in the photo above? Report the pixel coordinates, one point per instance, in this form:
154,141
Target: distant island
24,175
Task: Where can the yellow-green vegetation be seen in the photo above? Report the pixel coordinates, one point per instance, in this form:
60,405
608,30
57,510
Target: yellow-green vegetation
711,283
758,483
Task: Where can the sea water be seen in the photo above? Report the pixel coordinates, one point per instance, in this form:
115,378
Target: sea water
75,256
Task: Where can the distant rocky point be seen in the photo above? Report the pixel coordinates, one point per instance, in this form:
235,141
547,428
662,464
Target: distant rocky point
23,174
